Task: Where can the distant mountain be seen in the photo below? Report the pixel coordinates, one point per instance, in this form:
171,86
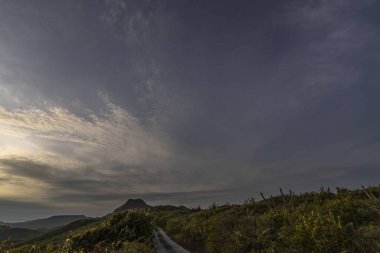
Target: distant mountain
133,204
62,232
17,235
47,223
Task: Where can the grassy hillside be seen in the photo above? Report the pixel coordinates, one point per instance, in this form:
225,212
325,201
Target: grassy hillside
17,235
43,228
129,231
348,221
57,236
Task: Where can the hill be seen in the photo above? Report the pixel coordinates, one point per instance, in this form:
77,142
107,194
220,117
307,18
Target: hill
116,232
17,235
47,223
61,233
133,204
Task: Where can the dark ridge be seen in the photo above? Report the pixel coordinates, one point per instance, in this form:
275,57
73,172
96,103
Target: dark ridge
17,235
46,223
133,204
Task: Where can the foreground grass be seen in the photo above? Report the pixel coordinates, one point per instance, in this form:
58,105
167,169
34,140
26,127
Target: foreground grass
348,221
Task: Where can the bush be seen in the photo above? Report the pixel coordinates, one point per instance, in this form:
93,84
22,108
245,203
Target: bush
311,222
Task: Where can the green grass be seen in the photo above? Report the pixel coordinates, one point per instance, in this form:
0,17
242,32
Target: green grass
348,221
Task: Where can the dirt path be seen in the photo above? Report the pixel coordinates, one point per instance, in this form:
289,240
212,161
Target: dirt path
164,244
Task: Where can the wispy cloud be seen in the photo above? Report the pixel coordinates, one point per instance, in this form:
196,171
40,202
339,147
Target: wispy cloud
131,21
116,134
59,154
53,148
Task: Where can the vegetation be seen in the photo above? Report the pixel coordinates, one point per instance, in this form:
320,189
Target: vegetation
19,234
317,222
129,231
348,221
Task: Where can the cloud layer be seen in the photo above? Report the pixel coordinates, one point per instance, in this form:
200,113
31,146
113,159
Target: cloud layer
184,102
52,149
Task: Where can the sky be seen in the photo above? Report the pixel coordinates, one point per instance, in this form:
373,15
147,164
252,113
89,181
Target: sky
184,102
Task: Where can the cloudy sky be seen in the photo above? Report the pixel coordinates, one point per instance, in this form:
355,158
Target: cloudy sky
184,102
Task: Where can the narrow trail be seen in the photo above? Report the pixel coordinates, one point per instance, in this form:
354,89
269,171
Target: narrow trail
163,243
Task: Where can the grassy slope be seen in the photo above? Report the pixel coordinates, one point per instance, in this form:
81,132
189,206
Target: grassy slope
348,221
17,235
21,232
130,229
